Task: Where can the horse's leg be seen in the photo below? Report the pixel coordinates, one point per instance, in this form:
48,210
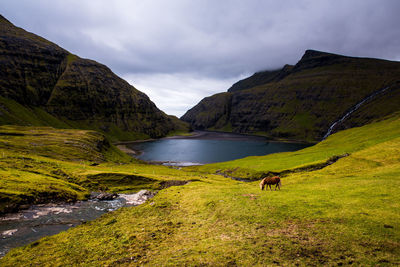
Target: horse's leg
270,187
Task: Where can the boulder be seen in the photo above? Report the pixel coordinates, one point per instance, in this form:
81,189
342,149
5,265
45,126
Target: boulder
106,196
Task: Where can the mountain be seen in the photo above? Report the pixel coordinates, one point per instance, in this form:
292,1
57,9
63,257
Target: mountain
301,102
42,84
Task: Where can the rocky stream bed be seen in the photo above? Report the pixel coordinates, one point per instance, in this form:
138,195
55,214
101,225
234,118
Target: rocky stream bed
26,226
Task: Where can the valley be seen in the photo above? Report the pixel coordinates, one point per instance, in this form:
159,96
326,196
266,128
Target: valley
346,212
66,127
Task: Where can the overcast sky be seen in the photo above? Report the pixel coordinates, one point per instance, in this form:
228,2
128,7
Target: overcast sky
178,52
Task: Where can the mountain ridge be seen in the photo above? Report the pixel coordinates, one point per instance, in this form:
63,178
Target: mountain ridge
300,102
79,93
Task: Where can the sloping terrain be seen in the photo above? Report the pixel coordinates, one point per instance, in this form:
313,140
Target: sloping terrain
346,213
44,164
42,84
301,102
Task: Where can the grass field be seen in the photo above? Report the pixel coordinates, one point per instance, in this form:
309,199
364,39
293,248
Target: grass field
346,213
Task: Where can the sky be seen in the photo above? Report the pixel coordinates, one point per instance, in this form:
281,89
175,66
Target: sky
180,51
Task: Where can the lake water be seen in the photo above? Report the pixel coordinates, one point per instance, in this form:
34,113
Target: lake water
209,147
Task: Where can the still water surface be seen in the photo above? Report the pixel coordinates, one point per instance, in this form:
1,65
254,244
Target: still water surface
206,147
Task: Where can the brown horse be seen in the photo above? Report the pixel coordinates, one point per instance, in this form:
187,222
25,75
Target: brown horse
268,181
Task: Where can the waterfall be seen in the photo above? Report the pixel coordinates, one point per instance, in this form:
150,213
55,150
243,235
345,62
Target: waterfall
354,108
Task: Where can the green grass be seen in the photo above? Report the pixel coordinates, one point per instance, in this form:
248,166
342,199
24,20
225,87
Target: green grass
12,112
18,187
347,213
179,133
326,217
61,144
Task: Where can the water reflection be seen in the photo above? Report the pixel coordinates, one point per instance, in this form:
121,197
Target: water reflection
209,150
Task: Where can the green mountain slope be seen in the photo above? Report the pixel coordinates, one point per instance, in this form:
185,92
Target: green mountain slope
302,101
43,84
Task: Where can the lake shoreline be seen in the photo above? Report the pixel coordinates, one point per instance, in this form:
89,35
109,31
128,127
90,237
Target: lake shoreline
205,147
216,135
198,135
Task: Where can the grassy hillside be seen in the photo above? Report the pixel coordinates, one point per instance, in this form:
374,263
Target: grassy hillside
301,102
42,84
44,164
346,213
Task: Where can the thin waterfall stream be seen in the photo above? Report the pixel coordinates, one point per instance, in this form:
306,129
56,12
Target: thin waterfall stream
354,108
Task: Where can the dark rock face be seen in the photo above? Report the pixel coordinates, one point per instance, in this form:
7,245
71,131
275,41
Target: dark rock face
302,101
30,65
38,73
211,111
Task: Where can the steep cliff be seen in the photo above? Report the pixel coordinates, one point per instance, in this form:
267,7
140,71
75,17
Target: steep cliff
43,84
301,102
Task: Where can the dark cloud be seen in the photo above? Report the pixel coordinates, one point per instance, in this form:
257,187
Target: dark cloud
208,42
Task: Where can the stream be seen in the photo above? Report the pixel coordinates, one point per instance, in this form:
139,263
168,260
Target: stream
26,226
354,108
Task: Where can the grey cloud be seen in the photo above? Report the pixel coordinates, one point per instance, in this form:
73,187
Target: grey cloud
213,40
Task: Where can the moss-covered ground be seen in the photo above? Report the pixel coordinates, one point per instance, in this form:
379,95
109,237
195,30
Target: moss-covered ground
347,213
43,164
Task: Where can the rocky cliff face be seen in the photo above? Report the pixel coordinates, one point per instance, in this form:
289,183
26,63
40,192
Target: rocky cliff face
212,111
82,93
302,101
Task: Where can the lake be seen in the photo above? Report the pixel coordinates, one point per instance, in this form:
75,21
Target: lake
209,147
